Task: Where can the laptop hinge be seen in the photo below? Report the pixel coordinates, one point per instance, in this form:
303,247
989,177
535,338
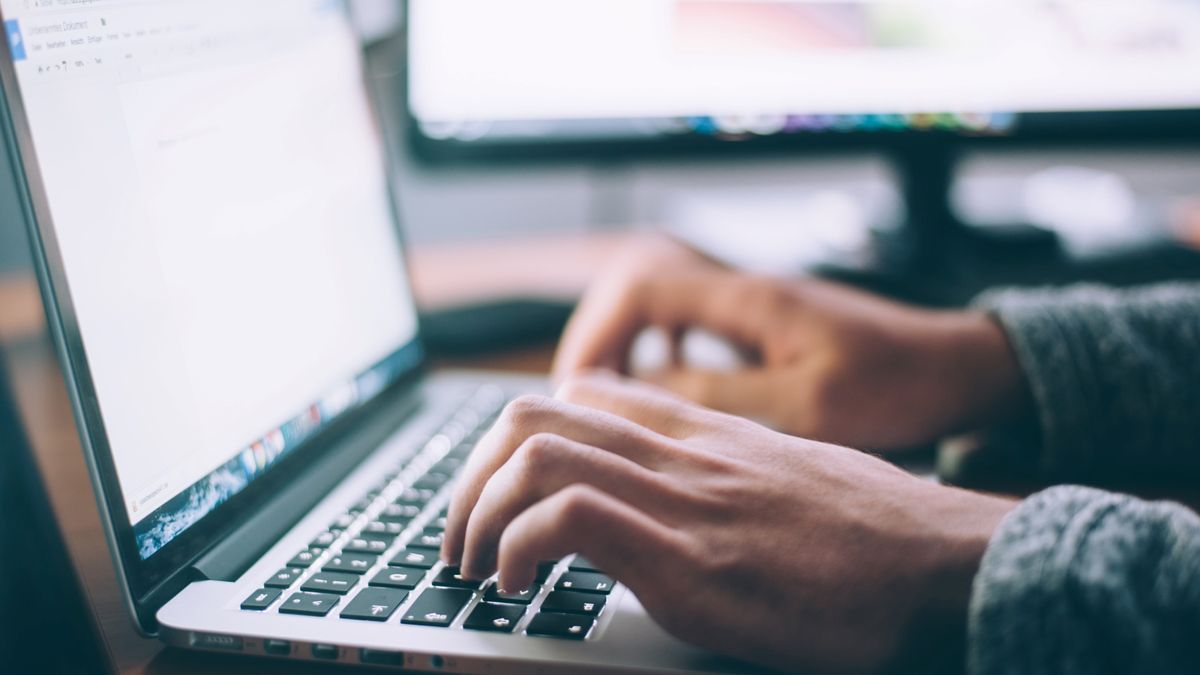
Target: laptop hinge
236,552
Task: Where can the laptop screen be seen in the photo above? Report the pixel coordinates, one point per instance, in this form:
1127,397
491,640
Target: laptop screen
218,195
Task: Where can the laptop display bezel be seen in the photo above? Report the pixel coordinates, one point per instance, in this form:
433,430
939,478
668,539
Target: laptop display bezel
147,583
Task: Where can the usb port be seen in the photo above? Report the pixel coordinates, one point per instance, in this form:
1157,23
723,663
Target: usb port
328,652
377,657
277,647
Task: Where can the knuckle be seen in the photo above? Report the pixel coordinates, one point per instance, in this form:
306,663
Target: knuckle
576,505
524,410
539,452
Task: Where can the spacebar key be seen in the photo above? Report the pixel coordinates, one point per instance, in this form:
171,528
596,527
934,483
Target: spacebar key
437,607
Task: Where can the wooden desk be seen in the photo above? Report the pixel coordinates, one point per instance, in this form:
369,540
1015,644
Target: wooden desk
442,275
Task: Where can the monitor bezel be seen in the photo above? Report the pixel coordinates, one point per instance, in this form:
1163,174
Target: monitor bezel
1100,127
146,584
1116,128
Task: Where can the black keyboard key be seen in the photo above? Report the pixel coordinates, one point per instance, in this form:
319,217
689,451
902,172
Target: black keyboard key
284,577
380,529
495,618
330,582
323,540
574,602
433,480
415,557
261,599
450,577
364,545
463,450
405,578
448,465
374,604
305,558
427,539
523,596
355,563
569,626
582,564
544,569
309,604
343,521
437,607
414,497
399,513
588,582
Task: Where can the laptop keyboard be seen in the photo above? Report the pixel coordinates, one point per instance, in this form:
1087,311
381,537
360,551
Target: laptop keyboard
379,561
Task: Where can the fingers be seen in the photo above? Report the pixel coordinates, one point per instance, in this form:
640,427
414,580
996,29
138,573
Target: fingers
603,328
624,541
531,415
543,465
748,392
652,407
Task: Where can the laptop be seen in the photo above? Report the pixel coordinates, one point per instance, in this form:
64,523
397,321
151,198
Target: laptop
209,201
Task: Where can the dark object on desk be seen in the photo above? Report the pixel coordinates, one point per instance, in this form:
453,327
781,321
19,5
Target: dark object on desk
494,326
45,625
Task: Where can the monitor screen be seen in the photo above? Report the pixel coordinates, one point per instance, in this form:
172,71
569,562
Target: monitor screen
482,71
215,184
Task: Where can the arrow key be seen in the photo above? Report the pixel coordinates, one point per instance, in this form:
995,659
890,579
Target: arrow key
309,604
495,618
566,626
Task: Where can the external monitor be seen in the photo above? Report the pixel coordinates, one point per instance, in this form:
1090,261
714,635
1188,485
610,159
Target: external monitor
528,76
916,79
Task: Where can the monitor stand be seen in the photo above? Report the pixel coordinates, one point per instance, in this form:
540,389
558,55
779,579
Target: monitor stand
936,258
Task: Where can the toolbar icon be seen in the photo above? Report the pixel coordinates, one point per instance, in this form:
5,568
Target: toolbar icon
16,43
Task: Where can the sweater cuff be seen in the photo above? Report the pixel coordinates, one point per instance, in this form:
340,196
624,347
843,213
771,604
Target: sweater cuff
1077,580
1046,344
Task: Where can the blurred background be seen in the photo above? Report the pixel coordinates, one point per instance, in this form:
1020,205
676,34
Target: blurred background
741,124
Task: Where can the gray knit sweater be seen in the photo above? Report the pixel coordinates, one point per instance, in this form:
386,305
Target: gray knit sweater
1077,580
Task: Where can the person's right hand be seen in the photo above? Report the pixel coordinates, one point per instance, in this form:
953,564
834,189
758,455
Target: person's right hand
829,362
802,556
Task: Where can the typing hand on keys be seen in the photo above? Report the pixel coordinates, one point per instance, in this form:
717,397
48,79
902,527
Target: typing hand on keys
792,553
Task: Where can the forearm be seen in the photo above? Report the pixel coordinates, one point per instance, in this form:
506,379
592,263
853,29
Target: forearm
1112,375
1081,581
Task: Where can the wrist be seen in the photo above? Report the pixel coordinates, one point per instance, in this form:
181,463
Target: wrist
962,524
987,385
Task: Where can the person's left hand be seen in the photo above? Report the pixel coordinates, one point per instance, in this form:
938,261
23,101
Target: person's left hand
795,554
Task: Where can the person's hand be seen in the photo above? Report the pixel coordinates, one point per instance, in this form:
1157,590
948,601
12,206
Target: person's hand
790,553
828,362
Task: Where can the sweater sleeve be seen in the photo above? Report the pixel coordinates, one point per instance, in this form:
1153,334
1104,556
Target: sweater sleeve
1077,580
1113,375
